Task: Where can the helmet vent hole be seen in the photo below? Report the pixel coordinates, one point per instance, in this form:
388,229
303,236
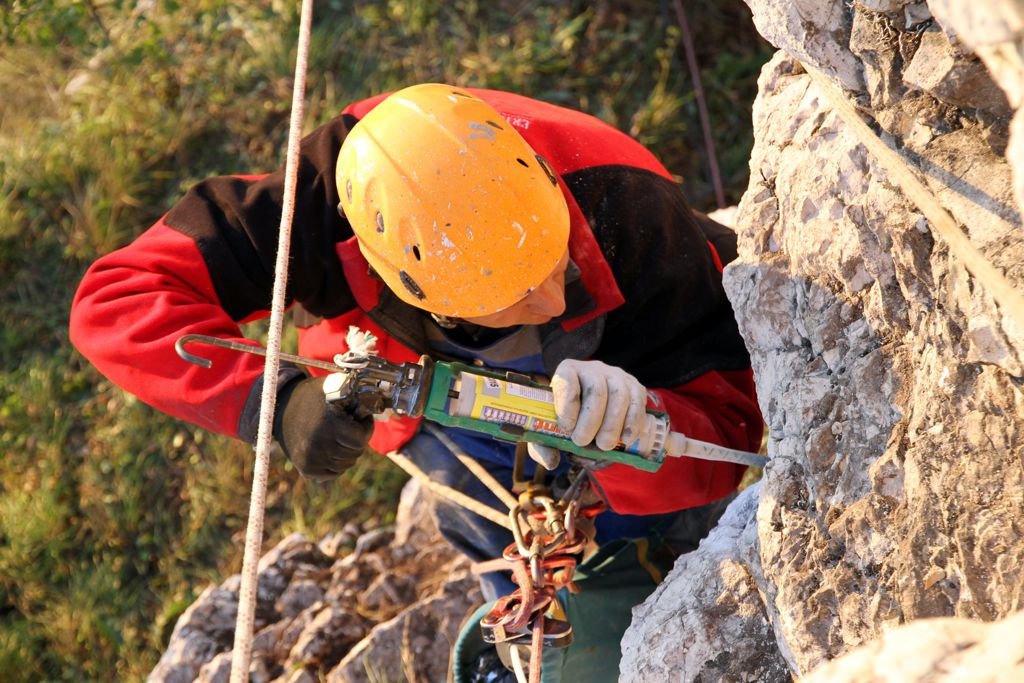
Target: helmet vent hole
416,252
348,188
411,285
547,169
380,222
522,163
492,124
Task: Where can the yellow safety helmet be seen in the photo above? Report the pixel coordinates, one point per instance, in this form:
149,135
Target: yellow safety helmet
450,205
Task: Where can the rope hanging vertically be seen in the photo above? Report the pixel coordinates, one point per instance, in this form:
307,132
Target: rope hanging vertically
702,106
242,650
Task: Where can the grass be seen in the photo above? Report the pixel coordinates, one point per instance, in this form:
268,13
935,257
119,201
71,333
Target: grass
114,517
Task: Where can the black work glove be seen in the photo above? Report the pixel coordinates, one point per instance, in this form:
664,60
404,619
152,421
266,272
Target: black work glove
321,439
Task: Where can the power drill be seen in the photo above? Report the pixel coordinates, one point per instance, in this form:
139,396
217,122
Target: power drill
508,406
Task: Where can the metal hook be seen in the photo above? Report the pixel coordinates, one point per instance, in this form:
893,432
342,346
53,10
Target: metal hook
179,346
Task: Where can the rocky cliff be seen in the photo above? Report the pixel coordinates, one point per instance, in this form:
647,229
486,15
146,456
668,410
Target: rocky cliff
358,607
890,380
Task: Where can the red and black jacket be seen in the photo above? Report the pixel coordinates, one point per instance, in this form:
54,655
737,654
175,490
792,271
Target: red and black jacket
649,299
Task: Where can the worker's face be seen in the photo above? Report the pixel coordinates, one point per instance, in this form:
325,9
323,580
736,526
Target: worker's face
545,302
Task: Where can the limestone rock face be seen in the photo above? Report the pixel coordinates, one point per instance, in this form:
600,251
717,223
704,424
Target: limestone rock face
715,601
939,70
994,30
201,632
890,381
815,31
413,645
892,384
935,650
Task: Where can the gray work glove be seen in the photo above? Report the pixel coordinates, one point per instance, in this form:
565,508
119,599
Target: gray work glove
597,403
321,439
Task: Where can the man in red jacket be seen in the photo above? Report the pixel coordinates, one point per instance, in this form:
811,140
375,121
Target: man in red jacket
467,225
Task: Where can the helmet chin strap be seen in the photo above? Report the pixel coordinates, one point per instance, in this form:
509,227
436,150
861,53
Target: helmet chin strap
446,322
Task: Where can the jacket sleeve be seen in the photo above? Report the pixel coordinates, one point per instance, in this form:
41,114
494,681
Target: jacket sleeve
205,267
718,407
675,332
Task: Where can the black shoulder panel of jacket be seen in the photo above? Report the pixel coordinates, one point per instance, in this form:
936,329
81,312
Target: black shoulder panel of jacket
724,238
676,323
235,222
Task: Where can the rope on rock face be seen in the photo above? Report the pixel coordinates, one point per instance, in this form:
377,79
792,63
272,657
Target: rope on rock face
242,650
991,279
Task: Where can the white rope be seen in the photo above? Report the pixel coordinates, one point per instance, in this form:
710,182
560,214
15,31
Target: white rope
454,495
485,477
242,650
1001,289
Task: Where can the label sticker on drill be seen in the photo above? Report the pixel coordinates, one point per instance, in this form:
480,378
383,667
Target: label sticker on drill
495,400
531,393
490,386
504,416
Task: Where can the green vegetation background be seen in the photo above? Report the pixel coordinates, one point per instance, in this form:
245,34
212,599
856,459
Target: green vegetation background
114,517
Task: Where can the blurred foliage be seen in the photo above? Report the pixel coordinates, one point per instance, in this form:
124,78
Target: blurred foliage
114,517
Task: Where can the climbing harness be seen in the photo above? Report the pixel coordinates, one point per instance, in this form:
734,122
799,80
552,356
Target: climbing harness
550,536
543,560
